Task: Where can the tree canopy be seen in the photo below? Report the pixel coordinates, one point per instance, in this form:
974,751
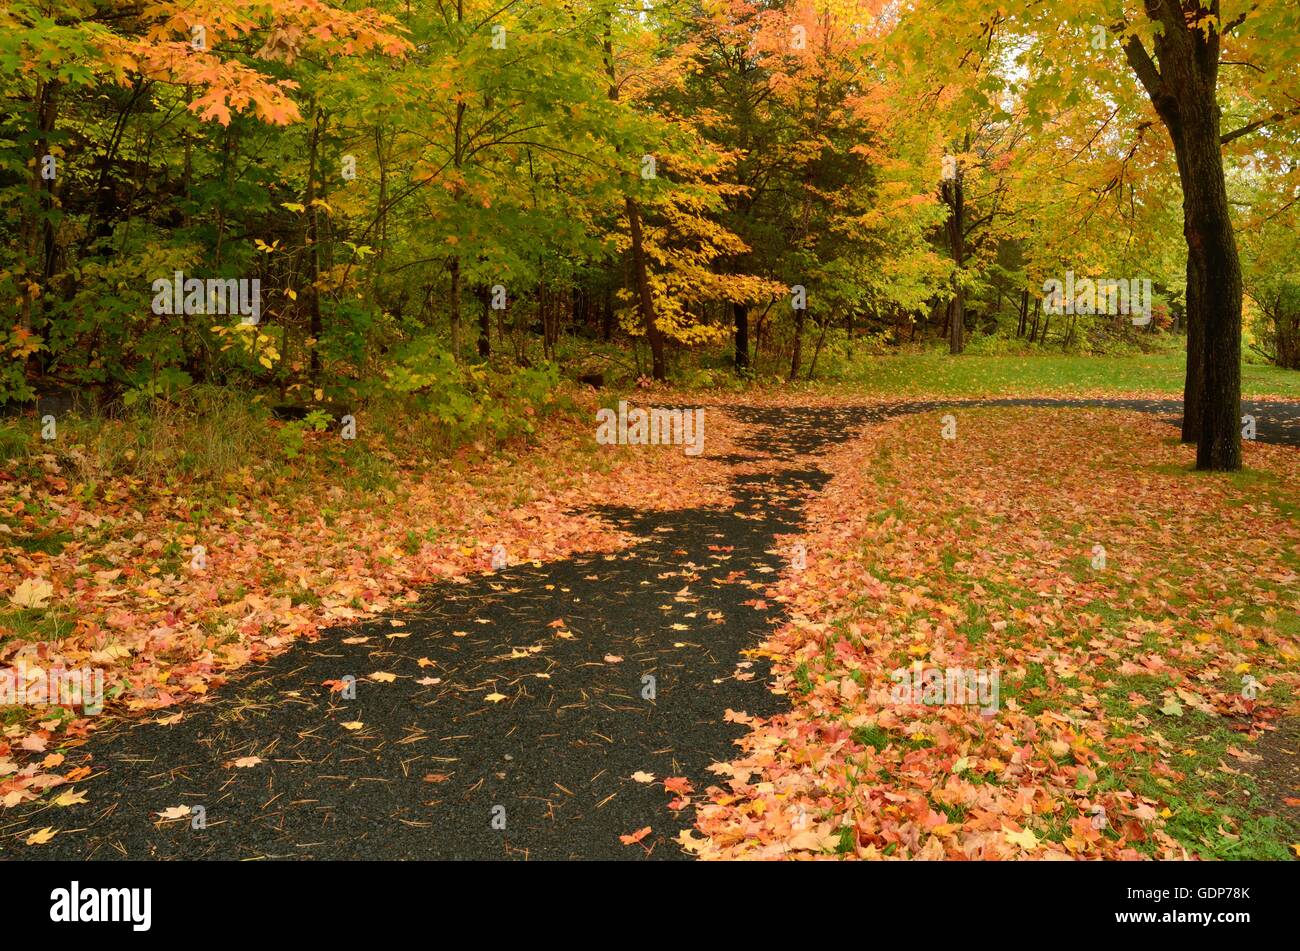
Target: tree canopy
417,189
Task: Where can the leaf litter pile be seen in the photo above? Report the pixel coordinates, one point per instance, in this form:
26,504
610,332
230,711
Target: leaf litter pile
1142,621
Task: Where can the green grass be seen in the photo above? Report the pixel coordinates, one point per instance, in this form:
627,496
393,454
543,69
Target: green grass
34,624
938,374
1205,804
872,736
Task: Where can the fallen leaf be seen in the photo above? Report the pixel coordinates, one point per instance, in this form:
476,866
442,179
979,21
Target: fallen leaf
44,835
635,837
1025,839
32,593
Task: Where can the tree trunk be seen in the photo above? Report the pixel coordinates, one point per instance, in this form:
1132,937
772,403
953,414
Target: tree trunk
484,323
457,160
954,195
381,160
957,323
1182,88
1193,375
1213,380
817,350
645,302
796,356
1286,330
454,267
36,227
313,242
740,316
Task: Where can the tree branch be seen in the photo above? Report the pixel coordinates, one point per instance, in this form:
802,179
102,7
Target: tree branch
1258,124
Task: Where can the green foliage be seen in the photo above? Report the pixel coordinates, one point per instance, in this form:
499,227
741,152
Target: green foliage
292,433
467,399
382,186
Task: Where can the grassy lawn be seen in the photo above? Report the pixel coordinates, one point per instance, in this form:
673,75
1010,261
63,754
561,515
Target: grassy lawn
938,374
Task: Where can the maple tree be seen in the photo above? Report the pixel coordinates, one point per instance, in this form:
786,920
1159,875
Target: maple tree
1175,55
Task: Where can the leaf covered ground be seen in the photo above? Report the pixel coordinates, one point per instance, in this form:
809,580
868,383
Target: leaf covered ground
1142,620
104,574
1127,717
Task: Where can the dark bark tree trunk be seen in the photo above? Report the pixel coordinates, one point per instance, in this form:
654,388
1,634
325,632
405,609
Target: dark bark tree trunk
382,228
107,206
957,323
954,195
1285,315
1194,374
457,160
1183,90
796,355
817,349
484,323
313,241
36,227
454,300
740,317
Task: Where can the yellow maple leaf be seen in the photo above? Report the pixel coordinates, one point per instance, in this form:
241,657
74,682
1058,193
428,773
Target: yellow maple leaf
42,836
1025,839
